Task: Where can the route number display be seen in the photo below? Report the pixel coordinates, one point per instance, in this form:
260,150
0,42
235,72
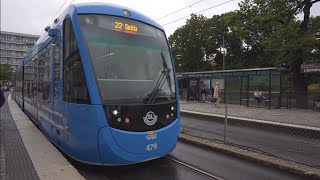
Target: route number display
129,28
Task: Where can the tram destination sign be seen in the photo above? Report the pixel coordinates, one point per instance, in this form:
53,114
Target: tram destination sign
310,68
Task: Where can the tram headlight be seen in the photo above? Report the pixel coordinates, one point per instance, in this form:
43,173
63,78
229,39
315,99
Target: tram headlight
115,112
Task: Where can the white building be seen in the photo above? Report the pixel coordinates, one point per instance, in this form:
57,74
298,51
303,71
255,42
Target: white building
14,46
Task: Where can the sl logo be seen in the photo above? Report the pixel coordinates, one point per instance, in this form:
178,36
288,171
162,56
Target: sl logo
150,118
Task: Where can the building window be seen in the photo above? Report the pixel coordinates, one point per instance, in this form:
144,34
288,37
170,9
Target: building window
74,83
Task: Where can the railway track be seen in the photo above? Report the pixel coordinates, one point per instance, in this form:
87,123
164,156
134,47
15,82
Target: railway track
195,169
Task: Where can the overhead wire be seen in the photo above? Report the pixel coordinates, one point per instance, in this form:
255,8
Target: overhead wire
198,12
179,10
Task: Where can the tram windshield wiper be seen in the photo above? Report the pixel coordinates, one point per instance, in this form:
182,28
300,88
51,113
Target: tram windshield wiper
164,76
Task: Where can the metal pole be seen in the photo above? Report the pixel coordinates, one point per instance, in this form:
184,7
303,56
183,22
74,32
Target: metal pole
241,90
224,65
225,92
269,105
280,99
188,89
182,88
248,86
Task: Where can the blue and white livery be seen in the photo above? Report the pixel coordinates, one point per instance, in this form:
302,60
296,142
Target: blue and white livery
101,85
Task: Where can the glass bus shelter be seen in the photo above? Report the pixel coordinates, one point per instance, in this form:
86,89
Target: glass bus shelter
239,85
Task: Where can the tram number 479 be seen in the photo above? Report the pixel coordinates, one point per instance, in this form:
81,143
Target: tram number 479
152,147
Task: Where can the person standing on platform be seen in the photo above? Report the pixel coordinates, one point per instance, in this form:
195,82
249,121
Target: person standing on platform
203,94
217,94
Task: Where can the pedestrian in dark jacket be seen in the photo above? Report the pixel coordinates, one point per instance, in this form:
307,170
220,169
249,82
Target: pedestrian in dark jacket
2,99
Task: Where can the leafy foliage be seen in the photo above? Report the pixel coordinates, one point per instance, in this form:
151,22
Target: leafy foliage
6,72
261,33
188,43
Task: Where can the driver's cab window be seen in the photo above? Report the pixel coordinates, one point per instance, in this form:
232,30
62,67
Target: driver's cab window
74,84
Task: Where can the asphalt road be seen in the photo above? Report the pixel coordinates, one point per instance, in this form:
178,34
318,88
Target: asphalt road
219,164
281,144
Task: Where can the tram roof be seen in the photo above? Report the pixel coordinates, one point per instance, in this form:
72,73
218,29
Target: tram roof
92,8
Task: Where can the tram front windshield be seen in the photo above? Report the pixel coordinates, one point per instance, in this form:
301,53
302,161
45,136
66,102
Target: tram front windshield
130,59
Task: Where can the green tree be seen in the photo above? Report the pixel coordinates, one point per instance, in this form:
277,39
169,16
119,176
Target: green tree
261,33
223,27
6,72
274,29
201,38
188,45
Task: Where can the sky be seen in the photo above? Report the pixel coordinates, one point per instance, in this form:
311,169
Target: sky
32,16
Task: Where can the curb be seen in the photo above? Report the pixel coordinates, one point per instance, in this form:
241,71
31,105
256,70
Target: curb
48,162
287,165
274,126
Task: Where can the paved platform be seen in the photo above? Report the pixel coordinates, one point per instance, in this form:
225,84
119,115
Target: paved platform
15,161
304,117
25,152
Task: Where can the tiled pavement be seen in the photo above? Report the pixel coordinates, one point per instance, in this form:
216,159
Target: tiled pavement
15,161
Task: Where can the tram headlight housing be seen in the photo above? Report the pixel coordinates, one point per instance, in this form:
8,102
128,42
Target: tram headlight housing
115,112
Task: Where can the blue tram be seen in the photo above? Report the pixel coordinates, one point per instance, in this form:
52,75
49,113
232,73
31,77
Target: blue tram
101,85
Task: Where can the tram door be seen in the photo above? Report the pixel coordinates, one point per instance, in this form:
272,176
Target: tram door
56,105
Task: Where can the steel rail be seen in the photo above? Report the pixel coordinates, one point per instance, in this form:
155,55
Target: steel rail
197,170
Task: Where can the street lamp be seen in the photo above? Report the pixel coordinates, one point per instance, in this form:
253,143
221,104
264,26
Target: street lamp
225,85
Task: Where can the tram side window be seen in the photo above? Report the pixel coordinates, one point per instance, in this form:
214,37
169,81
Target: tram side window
44,76
31,82
25,81
34,78
56,70
18,82
74,84
28,81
